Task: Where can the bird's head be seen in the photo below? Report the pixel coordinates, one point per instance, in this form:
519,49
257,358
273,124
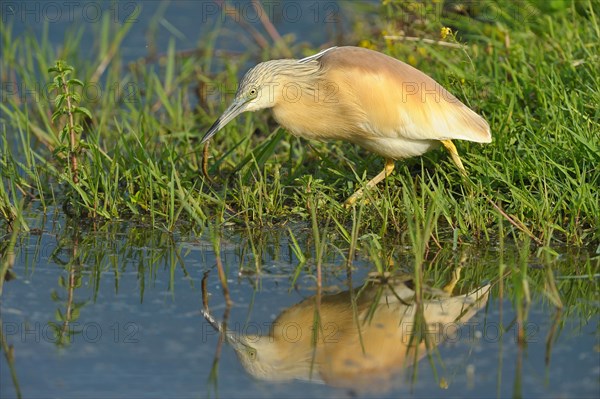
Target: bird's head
271,359
257,90
263,356
262,86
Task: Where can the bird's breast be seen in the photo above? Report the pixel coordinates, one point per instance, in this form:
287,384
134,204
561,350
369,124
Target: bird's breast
316,120
324,122
397,147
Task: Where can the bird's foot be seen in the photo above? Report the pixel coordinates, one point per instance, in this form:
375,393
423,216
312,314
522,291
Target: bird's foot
448,288
387,170
454,155
351,201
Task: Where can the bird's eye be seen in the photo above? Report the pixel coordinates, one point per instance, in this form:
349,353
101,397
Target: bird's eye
252,353
253,92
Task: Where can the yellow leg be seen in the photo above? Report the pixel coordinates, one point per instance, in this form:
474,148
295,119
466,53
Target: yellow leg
454,154
387,170
448,288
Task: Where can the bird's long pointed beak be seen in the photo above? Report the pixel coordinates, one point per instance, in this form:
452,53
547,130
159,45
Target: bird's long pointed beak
230,335
236,108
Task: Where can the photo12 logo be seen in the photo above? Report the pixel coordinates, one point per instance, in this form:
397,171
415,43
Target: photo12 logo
28,12
288,12
331,333
89,332
90,92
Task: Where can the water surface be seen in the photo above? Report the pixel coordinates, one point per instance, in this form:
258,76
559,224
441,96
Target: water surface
137,329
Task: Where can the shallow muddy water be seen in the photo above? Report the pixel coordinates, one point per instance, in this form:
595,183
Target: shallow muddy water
116,311
122,310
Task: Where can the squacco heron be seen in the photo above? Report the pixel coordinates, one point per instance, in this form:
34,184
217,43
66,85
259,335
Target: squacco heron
361,96
362,340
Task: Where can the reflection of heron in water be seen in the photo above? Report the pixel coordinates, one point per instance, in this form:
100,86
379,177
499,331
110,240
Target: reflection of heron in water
362,338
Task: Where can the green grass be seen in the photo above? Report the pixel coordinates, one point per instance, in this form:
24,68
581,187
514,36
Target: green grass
140,157
526,219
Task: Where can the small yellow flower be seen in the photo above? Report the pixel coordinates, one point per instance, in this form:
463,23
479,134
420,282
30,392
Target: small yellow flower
445,32
367,44
443,383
